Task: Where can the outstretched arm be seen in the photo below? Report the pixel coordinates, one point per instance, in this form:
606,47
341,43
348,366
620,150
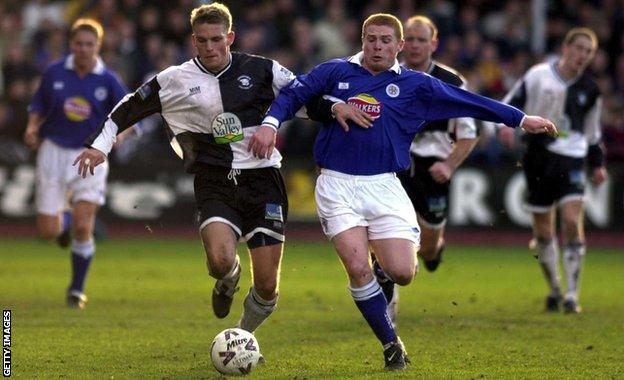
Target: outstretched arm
132,108
447,101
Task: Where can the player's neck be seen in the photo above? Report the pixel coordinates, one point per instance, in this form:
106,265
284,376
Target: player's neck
566,71
423,66
85,68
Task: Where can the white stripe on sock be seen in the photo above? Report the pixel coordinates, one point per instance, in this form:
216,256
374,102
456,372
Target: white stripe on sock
366,292
85,249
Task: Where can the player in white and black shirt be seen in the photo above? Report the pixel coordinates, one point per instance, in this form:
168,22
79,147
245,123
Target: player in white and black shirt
555,167
211,105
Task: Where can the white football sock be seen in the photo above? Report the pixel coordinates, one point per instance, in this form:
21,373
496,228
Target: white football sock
256,310
573,254
549,259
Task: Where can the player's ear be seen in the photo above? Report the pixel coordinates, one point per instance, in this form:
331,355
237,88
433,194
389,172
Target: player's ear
231,36
434,45
401,44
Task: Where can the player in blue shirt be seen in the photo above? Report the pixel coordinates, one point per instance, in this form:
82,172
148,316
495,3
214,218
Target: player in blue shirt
74,97
359,199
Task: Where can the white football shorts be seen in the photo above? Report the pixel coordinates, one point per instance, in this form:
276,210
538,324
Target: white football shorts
56,177
377,202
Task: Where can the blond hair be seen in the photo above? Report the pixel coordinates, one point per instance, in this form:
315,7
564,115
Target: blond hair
426,21
87,25
384,19
215,13
573,33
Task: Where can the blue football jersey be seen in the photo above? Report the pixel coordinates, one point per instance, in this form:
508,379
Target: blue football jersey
400,101
74,108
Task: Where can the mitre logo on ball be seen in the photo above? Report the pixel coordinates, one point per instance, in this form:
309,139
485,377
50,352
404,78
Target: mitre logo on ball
366,103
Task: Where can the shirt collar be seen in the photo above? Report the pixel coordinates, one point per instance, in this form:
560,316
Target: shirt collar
357,59
97,69
204,69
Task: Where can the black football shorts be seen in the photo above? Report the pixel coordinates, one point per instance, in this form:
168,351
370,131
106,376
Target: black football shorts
249,200
552,178
430,198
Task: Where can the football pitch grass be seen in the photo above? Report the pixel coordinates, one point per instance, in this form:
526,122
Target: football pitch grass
149,316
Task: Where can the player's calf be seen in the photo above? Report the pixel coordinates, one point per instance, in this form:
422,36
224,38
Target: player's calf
224,289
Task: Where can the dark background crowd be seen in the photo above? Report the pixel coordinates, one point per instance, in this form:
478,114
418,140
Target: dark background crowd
489,42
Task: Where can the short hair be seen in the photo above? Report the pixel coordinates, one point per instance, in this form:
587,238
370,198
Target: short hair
573,33
87,25
215,13
384,19
423,20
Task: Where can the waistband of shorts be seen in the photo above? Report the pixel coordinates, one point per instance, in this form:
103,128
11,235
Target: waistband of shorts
367,178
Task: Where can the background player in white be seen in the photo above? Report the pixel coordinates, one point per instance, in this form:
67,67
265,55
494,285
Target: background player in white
436,152
554,167
73,99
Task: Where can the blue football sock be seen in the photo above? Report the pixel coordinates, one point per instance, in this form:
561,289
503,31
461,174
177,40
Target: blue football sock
82,253
372,304
66,221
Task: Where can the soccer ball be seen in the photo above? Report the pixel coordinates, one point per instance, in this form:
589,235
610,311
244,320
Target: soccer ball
235,352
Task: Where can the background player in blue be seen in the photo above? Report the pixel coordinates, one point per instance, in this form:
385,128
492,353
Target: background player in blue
359,199
73,99
554,168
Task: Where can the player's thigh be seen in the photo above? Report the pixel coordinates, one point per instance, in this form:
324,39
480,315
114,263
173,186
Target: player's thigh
51,186
397,257
90,189
542,187
220,223
263,203
334,198
388,211
265,262
219,240
352,248
430,198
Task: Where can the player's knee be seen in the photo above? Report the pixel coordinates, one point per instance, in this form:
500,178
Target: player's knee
82,230
219,267
570,227
359,273
404,277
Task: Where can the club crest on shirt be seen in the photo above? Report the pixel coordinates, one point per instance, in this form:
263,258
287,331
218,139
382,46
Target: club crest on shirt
58,85
244,82
366,103
582,98
392,90
101,93
77,108
227,128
